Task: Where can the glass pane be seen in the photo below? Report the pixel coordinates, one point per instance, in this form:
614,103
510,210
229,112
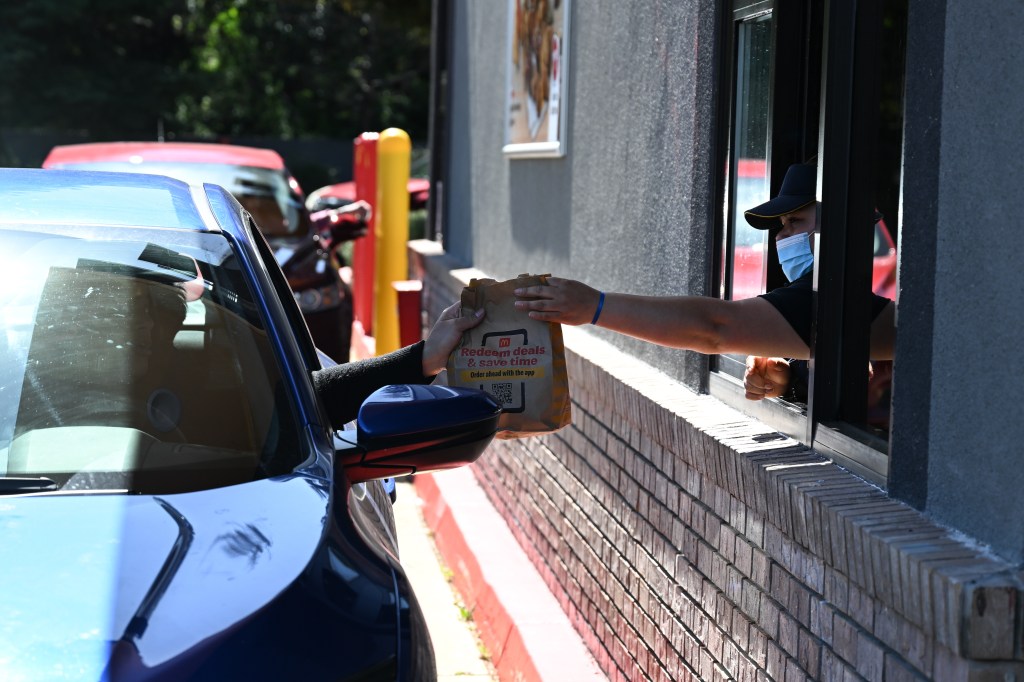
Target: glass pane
139,364
750,155
887,192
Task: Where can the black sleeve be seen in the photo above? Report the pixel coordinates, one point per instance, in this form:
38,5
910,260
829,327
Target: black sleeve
796,303
343,388
799,378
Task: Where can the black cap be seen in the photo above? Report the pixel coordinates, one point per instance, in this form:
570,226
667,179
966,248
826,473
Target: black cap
798,190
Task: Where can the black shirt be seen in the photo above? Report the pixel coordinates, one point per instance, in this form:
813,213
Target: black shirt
796,303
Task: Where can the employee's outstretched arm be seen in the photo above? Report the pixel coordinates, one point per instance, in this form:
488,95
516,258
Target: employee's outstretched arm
701,323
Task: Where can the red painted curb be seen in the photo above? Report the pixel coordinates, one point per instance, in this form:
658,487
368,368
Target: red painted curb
529,637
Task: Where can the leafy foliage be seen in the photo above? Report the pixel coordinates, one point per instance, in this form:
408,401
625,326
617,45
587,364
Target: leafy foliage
122,69
74,64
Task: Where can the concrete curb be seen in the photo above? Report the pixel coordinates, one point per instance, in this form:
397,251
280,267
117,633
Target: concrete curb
528,636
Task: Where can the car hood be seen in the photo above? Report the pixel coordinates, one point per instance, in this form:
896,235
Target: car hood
81,572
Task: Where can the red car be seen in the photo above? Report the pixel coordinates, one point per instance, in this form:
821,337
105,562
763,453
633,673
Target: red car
261,182
883,275
342,193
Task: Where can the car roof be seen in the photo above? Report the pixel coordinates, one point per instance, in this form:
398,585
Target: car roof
181,152
347,190
80,197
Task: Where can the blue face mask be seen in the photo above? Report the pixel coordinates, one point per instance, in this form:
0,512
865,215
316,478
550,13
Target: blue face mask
795,256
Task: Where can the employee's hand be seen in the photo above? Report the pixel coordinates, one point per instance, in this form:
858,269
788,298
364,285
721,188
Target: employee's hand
765,377
445,336
565,301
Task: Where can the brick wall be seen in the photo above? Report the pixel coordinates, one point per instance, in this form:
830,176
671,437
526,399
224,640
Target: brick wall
687,541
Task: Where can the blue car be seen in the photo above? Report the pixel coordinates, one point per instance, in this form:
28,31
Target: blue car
174,504
260,180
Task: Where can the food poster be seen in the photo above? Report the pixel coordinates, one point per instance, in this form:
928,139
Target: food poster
538,45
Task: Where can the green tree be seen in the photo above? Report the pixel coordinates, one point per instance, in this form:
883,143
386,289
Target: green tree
215,68
291,68
111,68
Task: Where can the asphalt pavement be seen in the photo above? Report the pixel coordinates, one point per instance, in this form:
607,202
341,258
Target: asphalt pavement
459,653
461,657
530,637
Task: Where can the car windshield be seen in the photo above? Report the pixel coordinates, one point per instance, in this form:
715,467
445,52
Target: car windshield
135,360
264,192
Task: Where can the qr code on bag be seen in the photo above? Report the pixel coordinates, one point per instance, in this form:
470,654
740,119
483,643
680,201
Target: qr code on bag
502,393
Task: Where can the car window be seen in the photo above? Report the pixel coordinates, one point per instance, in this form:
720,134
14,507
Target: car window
747,273
136,365
264,192
288,302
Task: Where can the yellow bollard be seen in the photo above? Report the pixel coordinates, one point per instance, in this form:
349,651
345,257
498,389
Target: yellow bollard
392,235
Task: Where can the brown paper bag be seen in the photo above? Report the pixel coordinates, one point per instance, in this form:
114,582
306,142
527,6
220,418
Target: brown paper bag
518,360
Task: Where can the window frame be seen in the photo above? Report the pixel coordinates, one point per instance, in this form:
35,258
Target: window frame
850,105
726,235
796,99
285,295
835,101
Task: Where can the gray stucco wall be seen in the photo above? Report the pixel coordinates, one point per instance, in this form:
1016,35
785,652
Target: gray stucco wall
628,208
975,472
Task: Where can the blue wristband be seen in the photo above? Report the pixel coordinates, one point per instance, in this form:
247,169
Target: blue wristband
600,305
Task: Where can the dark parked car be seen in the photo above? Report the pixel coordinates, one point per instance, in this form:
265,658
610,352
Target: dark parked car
259,179
173,503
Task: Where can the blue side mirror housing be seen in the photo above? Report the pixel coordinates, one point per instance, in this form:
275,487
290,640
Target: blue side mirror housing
406,429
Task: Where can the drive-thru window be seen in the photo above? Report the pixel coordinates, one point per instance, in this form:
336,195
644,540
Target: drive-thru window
798,85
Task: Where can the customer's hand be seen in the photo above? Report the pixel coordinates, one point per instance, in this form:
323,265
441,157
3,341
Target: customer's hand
565,301
765,377
445,336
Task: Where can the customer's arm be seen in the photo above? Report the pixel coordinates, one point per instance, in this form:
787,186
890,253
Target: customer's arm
343,388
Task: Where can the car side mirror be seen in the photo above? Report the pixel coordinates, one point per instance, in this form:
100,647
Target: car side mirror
336,225
407,429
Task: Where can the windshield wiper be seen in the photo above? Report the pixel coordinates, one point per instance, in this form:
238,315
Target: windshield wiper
10,485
